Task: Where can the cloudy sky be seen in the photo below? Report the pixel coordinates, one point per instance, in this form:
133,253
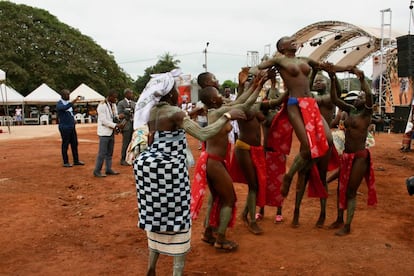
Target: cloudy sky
138,32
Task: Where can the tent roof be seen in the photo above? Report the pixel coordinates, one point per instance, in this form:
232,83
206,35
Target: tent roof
87,92
2,75
341,43
42,95
9,96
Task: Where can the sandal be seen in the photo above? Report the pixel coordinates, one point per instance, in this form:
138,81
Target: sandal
226,245
278,219
258,216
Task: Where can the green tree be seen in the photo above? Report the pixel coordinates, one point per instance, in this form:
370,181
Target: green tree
37,48
229,83
354,83
165,64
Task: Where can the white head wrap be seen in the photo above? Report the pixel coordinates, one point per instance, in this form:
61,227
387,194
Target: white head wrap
158,86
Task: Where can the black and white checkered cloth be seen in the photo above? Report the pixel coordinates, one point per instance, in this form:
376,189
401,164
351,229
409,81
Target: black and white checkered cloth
163,187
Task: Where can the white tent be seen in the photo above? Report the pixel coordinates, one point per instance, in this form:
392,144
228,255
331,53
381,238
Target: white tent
87,94
2,75
42,95
9,96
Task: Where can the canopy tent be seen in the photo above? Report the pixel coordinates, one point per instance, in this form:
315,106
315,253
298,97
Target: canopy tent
87,94
9,96
42,95
2,76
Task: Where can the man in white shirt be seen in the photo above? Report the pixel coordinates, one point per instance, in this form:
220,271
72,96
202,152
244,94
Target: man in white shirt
18,115
107,127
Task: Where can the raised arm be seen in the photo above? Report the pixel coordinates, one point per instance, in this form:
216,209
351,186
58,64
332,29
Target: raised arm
327,66
334,94
204,133
365,87
269,63
257,85
273,91
312,78
273,103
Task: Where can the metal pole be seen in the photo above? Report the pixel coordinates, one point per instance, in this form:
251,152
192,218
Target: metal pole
205,56
411,17
381,60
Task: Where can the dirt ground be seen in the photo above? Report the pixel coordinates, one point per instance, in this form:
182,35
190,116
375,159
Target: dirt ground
64,221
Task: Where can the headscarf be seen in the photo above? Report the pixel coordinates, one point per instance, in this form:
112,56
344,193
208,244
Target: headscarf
158,86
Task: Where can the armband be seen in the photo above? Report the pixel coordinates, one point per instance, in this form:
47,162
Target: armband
227,115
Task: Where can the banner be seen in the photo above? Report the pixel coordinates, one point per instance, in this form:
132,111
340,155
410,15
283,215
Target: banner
184,88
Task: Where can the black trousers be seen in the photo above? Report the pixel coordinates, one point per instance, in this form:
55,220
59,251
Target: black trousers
126,138
69,137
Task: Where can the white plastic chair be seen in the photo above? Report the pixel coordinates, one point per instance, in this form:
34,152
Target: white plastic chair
8,120
87,118
79,118
44,119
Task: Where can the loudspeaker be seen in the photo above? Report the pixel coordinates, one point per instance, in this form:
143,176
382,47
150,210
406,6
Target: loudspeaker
405,54
398,126
401,112
400,118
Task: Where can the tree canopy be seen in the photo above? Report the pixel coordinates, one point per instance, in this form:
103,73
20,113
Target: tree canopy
165,64
37,48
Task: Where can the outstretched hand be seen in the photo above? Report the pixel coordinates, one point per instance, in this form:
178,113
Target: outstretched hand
328,67
264,75
243,75
359,73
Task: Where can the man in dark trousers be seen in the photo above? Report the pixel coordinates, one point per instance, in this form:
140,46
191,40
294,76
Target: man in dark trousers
67,129
126,107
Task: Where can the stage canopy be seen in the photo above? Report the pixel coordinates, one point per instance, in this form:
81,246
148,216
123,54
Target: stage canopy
341,43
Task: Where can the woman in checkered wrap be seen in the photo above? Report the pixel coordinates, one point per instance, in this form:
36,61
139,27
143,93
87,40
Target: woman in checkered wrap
161,174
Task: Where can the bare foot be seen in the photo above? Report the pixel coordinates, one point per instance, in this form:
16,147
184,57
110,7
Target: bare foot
321,221
295,222
208,236
337,224
254,228
346,230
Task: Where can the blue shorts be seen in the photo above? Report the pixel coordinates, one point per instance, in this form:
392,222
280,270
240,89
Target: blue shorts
292,101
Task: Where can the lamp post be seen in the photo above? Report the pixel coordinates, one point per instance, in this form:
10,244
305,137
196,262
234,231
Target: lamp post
205,56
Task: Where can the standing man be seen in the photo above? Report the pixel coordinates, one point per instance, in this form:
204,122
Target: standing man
18,114
67,129
126,107
107,126
356,160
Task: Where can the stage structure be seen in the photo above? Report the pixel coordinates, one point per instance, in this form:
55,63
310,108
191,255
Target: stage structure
342,43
